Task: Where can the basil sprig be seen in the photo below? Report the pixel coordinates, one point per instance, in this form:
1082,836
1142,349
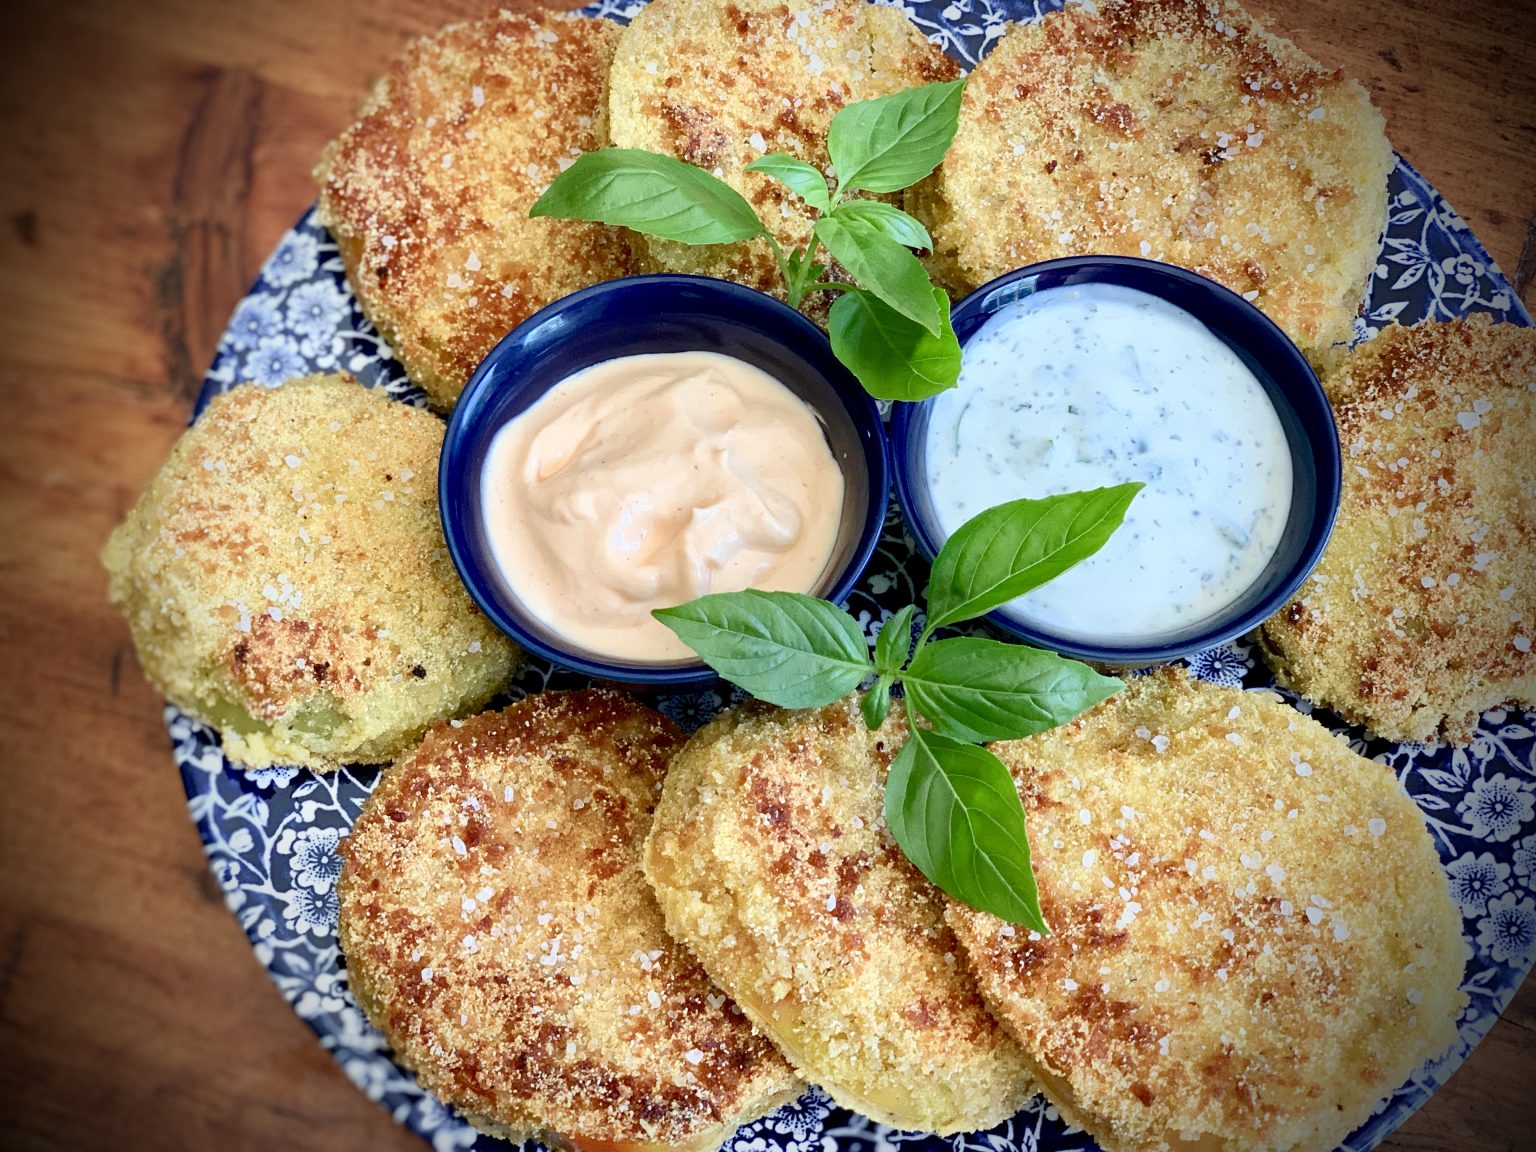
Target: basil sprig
950,803
891,326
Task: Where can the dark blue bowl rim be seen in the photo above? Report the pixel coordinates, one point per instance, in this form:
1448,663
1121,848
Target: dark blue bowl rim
862,411
1329,470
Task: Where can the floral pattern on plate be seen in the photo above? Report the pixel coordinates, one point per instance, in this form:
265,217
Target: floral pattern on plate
271,836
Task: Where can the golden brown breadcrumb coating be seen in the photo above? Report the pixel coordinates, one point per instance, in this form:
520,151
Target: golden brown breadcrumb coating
1177,130
499,932
771,860
1252,941
285,578
718,83
1421,614
427,194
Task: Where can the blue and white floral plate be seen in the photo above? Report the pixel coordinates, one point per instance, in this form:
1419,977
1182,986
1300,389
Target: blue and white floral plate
271,836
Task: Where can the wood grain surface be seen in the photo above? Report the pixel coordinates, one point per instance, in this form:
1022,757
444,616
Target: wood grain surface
153,154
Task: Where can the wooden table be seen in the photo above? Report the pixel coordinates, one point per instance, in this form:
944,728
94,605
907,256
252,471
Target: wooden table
153,154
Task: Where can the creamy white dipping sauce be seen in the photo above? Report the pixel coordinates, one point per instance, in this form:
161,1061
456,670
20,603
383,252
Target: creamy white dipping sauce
1092,385
646,481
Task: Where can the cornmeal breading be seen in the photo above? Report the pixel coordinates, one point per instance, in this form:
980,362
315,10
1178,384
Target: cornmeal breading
772,863
1172,129
427,194
285,579
499,932
1421,614
1253,940
720,82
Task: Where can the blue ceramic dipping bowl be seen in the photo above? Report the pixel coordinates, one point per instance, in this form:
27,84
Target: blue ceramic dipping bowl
1288,380
633,316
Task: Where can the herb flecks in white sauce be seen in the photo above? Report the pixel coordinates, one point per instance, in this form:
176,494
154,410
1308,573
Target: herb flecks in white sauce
1090,385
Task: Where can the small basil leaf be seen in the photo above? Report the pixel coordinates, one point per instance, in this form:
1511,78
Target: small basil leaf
799,177
876,702
884,267
900,227
980,690
886,144
955,811
655,194
894,642
892,357
783,647
1012,548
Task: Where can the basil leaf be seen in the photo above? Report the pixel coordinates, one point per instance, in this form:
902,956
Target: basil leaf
954,810
884,267
876,702
900,227
980,690
655,194
783,647
799,177
894,642
892,357
885,144
1014,547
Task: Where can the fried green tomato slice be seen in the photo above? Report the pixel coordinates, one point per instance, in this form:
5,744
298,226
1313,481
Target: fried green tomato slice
1177,130
285,578
1252,939
499,932
772,863
427,193
1420,615
719,83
